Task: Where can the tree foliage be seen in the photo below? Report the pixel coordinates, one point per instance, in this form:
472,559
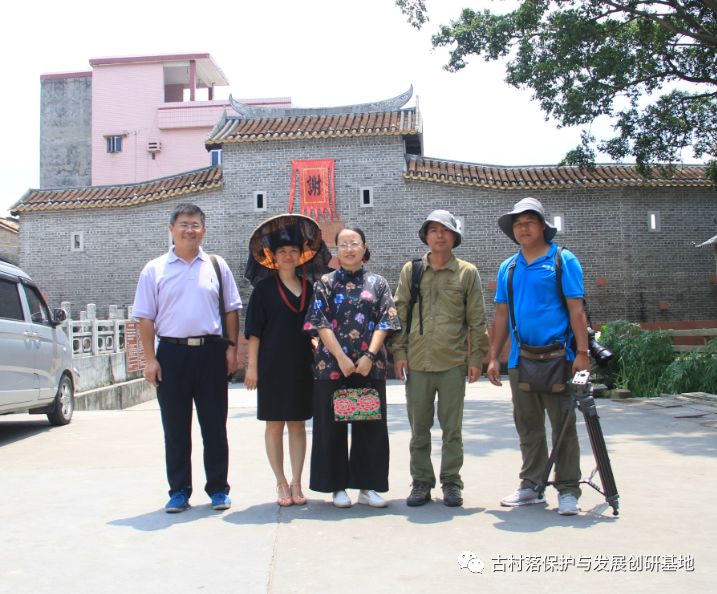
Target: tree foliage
651,66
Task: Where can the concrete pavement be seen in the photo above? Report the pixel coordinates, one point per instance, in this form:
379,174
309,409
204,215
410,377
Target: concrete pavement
82,511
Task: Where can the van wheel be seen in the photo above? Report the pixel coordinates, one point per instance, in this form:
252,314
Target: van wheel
61,409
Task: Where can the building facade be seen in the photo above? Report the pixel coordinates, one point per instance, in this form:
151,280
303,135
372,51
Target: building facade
632,234
131,119
9,241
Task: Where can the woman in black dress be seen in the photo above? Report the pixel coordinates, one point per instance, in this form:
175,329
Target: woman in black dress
279,359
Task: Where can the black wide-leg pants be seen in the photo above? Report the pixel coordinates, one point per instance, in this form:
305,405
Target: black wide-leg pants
333,467
194,374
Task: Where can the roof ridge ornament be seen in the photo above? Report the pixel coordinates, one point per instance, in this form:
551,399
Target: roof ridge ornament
255,113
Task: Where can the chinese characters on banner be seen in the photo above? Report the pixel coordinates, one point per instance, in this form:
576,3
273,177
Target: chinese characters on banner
316,188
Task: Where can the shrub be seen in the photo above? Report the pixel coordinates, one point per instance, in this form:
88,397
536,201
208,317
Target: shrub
640,358
695,371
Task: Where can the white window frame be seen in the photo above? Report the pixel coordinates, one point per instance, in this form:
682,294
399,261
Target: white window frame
559,222
220,157
114,143
366,191
77,241
654,221
255,197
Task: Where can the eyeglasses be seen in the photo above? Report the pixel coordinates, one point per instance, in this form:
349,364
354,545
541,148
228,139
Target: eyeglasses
354,245
188,226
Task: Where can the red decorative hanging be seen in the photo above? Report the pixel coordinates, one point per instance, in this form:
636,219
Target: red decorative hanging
316,188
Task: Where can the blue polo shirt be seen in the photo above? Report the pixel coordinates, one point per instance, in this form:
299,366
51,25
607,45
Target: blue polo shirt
541,317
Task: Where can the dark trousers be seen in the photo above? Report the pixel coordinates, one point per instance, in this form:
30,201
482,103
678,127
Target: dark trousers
194,375
332,467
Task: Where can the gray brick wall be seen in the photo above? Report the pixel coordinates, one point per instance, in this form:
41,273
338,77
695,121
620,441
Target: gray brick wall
9,246
65,132
606,228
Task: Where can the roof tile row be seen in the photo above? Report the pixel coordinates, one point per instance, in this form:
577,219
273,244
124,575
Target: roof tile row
121,195
237,129
548,177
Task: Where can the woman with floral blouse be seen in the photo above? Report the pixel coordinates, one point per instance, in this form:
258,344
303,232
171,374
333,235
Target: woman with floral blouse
352,312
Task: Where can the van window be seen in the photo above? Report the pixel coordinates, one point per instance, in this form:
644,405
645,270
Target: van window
38,310
10,306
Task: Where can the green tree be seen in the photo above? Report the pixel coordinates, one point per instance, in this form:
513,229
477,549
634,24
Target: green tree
651,66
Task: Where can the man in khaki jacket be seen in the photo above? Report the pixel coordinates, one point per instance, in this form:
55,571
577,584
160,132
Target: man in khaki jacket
446,341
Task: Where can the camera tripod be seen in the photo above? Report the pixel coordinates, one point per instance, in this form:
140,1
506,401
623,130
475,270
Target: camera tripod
580,394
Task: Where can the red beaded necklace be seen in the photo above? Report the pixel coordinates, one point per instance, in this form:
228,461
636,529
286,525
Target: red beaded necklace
286,299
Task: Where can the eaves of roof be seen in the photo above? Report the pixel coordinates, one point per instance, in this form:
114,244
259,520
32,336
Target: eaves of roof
421,168
164,188
231,129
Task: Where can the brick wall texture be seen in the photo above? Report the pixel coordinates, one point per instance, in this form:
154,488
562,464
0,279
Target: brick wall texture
65,123
628,270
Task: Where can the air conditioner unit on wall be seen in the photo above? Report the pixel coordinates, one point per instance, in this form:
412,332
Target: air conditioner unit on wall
154,146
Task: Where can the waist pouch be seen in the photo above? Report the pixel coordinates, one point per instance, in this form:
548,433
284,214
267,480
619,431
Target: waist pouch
543,369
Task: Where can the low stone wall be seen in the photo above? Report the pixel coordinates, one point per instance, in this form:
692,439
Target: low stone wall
105,383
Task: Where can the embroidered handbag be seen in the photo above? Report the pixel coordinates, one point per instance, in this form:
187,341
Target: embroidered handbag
356,404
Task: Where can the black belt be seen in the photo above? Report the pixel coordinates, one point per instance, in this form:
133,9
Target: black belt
196,340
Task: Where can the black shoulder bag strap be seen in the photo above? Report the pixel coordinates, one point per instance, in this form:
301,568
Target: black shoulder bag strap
222,313
416,275
511,271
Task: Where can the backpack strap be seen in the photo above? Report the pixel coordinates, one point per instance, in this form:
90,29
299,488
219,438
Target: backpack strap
416,276
222,313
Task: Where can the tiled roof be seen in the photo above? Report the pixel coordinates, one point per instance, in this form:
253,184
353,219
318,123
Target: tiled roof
183,184
546,177
382,123
8,225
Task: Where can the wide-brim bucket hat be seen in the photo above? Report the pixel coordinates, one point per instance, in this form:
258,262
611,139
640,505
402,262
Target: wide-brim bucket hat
505,222
281,230
446,219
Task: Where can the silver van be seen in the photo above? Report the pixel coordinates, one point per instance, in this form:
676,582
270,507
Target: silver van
36,373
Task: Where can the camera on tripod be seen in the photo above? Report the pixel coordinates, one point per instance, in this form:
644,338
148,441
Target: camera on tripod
599,353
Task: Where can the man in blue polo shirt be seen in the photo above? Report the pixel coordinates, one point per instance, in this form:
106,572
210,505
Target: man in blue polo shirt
177,301
541,319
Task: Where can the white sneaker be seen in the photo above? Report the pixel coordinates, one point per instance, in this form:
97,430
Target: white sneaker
341,499
567,504
522,496
371,498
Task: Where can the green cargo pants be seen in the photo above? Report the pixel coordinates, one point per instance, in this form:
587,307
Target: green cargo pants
421,391
529,414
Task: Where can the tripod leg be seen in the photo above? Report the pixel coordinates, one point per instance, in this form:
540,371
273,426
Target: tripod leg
545,480
597,442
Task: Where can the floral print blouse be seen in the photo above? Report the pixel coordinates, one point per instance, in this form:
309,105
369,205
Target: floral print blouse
353,305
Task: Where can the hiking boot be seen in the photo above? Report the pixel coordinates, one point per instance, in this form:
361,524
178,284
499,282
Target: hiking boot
522,496
420,494
452,495
567,504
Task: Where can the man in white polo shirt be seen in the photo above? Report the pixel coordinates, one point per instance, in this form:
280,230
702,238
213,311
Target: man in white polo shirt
177,301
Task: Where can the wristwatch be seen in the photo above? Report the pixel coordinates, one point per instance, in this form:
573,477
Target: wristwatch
370,355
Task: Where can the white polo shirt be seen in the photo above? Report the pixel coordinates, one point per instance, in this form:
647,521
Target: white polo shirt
183,298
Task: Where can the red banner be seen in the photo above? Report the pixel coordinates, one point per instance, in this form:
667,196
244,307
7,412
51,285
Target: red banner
316,188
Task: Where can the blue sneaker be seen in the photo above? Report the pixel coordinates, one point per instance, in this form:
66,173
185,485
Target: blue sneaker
178,502
221,501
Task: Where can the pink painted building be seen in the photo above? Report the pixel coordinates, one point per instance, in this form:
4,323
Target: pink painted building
149,118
